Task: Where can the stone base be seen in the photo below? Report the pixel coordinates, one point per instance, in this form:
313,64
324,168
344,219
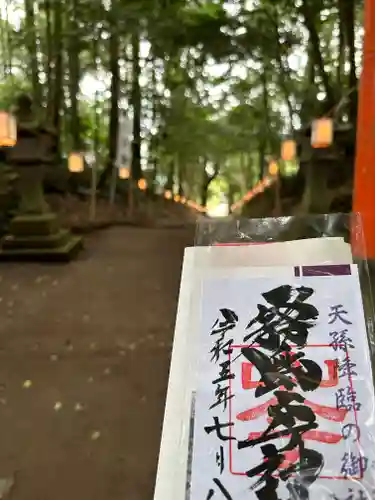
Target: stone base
34,225
39,238
60,254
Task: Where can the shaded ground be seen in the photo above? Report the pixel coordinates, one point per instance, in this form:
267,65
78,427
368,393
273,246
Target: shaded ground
84,359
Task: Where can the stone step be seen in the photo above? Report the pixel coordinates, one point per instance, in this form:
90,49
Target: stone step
55,240
64,253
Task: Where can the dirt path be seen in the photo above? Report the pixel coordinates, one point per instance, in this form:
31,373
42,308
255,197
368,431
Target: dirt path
84,358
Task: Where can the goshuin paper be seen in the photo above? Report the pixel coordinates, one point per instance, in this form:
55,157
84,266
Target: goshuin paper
285,403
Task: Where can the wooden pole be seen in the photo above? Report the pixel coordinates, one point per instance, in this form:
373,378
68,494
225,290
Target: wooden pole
93,191
278,209
364,176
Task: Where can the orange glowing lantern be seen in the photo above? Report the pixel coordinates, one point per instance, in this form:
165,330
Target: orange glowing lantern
168,194
76,163
288,150
273,168
183,200
124,173
177,198
142,184
8,130
322,133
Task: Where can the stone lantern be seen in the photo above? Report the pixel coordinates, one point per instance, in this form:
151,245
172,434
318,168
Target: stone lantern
34,232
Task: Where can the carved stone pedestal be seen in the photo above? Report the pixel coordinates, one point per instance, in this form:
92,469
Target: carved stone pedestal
39,238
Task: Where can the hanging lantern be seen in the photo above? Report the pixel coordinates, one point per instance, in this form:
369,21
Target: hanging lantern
183,200
288,150
8,130
142,184
168,194
177,198
76,163
322,133
273,168
124,173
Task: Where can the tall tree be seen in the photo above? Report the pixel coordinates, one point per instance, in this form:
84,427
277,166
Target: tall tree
31,44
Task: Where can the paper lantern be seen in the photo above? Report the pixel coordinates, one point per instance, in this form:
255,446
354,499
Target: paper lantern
288,150
273,168
142,184
168,195
8,130
124,173
76,163
322,133
183,200
177,198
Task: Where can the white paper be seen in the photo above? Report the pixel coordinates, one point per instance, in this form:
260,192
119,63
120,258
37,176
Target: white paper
200,262
343,404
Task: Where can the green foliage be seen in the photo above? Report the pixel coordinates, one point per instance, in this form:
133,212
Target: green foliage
220,82
10,88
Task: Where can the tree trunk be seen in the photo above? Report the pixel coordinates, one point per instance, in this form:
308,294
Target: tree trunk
170,176
283,72
181,178
6,46
309,20
349,24
114,51
310,73
9,38
262,158
264,134
74,76
348,9
342,45
154,140
136,103
58,90
3,46
49,53
230,195
31,45
207,179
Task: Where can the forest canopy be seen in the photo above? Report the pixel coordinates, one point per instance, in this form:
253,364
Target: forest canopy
210,87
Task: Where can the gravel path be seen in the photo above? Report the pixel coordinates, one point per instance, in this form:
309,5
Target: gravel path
84,359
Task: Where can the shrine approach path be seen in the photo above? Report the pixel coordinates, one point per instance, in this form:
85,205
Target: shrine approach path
84,360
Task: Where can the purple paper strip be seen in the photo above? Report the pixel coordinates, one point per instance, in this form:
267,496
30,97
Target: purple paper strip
330,270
